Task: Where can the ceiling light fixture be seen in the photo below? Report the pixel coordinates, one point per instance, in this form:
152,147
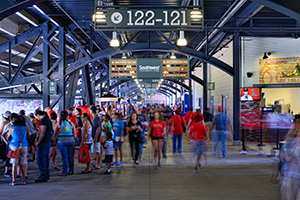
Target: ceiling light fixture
124,56
173,56
181,41
114,42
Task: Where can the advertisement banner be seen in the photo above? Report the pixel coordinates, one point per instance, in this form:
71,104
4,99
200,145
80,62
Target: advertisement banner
149,68
249,94
279,70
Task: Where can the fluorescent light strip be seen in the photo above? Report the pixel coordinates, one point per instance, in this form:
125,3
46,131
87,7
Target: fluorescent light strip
26,19
23,55
7,63
42,12
13,86
7,32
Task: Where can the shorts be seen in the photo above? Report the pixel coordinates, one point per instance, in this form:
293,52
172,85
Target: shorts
118,144
157,138
108,158
23,155
95,147
199,147
89,146
31,139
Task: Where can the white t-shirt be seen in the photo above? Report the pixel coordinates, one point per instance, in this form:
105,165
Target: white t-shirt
109,145
247,98
6,129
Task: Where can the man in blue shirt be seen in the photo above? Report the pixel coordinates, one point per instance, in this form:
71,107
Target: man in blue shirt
118,128
221,123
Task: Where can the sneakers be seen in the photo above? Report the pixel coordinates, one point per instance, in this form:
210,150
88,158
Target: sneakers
107,172
121,164
55,169
7,174
159,164
116,163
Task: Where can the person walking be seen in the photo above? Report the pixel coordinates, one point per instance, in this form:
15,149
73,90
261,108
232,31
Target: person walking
144,121
5,128
87,138
118,128
222,123
198,134
43,146
134,128
65,133
157,134
176,125
96,130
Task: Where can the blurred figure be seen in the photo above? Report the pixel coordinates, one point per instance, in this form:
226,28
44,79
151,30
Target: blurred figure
222,123
208,120
118,128
4,136
175,125
72,117
143,119
290,165
87,138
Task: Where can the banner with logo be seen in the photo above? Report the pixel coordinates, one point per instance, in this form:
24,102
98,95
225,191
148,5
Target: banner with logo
279,70
149,69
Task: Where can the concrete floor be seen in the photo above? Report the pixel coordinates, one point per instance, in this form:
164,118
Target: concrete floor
236,177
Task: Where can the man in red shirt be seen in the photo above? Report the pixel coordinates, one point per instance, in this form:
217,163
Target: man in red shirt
48,111
72,117
192,119
198,135
176,124
188,115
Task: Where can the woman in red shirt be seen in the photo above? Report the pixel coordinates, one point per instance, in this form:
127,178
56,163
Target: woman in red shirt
157,134
176,124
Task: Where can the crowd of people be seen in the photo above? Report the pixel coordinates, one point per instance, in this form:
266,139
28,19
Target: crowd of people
42,134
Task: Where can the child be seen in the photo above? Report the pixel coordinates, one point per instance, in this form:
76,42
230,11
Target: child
109,151
198,135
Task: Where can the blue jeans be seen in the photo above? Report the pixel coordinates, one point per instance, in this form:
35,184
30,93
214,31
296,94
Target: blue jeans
222,137
175,138
66,150
43,161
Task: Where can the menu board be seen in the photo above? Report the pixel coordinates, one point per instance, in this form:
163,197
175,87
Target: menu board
123,68
175,68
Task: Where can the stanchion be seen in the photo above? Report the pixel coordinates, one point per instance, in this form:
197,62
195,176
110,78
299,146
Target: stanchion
261,138
243,141
277,139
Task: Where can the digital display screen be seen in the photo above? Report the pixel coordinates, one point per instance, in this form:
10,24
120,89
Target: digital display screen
249,94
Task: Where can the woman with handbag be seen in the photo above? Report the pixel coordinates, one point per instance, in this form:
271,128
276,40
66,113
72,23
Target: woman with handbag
134,129
18,147
87,139
157,134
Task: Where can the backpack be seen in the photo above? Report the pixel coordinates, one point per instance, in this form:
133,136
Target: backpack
66,127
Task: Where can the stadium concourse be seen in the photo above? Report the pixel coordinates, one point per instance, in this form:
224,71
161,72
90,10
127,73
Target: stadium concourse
237,177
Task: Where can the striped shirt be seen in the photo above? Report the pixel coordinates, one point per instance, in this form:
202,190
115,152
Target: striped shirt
109,147
66,132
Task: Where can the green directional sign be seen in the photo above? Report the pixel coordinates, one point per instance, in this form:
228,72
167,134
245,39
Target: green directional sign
149,18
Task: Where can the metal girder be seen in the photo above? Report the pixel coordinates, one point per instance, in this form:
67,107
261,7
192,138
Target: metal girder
164,93
168,85
286,7
197,79
87,84
131,39
36,89
18,7
167,40
167,90
20,96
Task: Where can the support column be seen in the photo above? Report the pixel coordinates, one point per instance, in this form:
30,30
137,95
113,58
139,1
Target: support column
205,91
61,69
190,93
236,88
46,64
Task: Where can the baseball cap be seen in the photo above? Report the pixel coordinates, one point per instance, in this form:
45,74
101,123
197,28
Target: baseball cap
246,90
70,108
220,108
22,112
6,114
31,115
102,113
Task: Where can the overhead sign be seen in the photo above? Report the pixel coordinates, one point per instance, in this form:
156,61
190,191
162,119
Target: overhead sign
122,68
279,70
149,69
145,18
